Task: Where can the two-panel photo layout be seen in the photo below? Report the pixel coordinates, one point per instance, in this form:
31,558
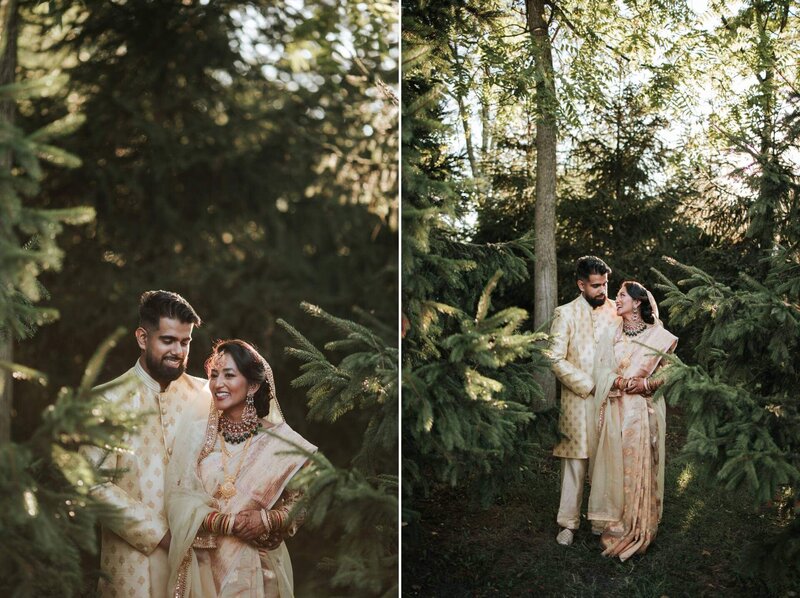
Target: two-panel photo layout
466,298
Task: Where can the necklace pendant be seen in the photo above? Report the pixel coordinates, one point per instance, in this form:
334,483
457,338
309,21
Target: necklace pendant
227,490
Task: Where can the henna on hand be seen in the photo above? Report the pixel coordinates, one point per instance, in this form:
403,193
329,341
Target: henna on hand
248,525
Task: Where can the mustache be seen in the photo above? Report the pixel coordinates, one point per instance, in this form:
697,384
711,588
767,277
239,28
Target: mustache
174,357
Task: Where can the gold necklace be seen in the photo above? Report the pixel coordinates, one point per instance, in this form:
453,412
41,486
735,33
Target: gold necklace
227,489
626,360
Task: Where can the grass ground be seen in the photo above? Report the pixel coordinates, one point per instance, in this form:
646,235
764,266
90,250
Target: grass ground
510,549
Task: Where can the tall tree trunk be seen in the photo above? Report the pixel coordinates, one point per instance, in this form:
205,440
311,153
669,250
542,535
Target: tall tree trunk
463,111
8,67
486,117
762,222
465,115
769,189
545,289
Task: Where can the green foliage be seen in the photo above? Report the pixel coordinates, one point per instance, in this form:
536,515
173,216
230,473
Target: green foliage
243,156
471,415
508,550
612,203
743,416
28,234
355,508
48,516
678,135
745,159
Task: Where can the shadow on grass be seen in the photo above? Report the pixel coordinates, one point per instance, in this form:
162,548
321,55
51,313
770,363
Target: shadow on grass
510,549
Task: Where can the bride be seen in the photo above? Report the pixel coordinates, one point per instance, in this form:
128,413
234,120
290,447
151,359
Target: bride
627,469
228,505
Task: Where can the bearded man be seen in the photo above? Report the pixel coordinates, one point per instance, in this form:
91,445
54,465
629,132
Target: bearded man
135,545
577,327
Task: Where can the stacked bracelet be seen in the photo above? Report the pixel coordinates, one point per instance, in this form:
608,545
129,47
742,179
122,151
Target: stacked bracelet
231,522
219,523
265,520
647,385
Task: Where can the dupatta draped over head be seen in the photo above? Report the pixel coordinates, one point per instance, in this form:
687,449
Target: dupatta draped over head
274,457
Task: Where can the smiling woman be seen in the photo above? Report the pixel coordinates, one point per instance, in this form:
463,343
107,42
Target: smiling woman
229,387
627,465
246,156
227,484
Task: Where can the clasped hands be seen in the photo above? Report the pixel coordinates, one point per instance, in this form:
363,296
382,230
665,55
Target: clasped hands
631,386
248,525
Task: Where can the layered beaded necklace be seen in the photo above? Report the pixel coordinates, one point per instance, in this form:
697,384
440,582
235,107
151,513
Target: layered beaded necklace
634,329
238,432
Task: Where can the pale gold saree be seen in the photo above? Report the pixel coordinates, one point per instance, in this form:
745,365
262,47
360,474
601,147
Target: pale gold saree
627,465
202,565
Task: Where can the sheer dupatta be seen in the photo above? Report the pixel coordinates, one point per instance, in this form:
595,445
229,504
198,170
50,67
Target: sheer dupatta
606,469
271,463
188,503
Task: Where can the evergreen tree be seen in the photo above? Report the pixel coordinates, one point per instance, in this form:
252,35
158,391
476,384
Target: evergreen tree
740,398
47,515
746,158
472,413
242,156
354,507
28,234
612,201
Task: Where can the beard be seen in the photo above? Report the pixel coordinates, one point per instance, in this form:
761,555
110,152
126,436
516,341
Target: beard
162,372
595,301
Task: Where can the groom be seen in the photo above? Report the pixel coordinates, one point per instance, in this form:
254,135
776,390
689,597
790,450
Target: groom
135,545
576,328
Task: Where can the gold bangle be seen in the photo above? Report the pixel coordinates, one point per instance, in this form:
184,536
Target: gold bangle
265,520
231,523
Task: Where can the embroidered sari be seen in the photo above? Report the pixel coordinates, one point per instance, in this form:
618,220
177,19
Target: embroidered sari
627,467
205,565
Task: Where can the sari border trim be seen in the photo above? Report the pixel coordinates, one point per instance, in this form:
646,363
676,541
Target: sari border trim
183,570
211,434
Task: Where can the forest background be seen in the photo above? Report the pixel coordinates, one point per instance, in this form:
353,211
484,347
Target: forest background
241,154
536,132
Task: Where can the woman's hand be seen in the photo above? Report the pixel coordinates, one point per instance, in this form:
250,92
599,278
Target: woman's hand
635,386
248,525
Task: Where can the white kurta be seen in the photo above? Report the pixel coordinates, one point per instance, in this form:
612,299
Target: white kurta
129,554
576,330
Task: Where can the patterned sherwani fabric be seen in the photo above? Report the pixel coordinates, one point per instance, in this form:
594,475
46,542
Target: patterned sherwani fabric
130,556
576,330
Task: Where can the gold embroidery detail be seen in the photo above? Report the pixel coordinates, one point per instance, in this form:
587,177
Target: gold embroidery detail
183,570
211,433
205,541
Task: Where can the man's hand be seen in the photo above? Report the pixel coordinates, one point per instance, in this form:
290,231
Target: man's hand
248,525
165,541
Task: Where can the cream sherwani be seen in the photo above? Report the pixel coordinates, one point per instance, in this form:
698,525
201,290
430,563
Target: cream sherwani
130,555
576,330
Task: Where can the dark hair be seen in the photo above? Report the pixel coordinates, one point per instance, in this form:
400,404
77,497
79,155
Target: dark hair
250,364
588,265
637,291
154,305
